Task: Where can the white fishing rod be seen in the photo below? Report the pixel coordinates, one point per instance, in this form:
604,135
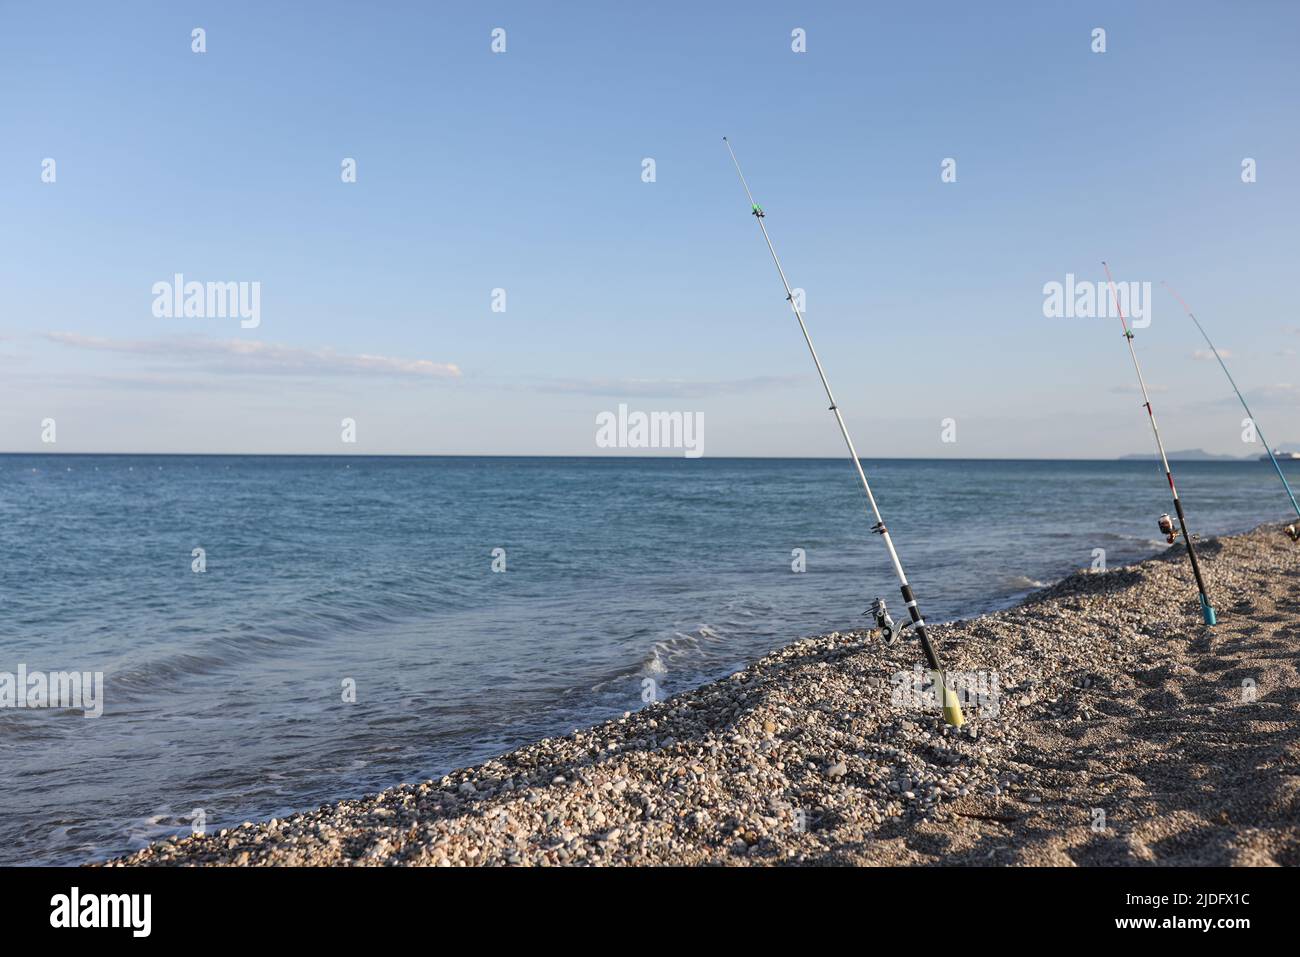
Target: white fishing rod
1166,525
1292,530
951,707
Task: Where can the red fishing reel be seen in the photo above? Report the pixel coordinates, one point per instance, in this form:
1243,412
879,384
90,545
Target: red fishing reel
1167,528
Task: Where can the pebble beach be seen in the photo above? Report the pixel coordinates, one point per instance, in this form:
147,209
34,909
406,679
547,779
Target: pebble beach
1110,727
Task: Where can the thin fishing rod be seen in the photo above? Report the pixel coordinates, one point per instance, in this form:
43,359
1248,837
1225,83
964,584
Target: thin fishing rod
1207,609
1233,382
951,708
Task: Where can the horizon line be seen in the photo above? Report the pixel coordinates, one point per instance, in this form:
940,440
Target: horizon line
1130,457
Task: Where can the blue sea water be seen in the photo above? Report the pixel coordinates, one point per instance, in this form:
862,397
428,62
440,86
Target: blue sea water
224,690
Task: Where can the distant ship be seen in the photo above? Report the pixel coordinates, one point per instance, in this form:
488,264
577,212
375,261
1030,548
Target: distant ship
1285,456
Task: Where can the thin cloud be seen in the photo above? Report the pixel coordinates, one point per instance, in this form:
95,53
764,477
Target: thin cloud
675,388
142,382
1207,354
1136,390
254,357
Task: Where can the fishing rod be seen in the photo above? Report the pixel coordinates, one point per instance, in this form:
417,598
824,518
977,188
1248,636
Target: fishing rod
951,707
1293,531
1166,525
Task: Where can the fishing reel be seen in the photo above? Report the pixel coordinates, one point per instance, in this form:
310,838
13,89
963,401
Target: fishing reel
1167,527
1293,532
889,632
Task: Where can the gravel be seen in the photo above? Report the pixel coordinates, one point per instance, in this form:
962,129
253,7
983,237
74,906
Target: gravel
1114,729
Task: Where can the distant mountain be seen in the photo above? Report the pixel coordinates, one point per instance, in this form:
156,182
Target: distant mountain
1189,455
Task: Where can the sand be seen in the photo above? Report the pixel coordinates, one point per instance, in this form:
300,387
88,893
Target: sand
1114,729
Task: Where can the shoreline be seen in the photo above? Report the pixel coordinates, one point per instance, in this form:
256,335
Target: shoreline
1110,727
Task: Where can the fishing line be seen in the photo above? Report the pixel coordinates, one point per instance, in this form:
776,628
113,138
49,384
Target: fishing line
951,707
1166,524
1292,530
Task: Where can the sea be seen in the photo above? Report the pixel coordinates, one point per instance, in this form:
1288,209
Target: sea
274,633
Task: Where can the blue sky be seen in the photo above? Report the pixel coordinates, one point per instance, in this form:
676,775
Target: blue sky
522,171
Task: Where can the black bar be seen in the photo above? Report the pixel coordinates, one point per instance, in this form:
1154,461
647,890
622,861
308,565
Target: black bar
256,907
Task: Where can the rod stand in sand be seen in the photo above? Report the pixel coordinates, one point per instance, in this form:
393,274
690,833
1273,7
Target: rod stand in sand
1292,530
1166,525
951,706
